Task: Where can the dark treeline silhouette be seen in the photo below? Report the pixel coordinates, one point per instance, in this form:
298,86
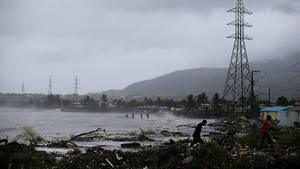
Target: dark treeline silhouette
192,105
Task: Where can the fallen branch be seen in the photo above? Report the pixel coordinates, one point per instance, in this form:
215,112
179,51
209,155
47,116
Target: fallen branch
87,133
187,125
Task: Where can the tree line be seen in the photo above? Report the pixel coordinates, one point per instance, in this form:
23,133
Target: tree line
190,104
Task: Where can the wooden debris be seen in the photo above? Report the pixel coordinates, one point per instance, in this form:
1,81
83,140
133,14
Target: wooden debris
87,133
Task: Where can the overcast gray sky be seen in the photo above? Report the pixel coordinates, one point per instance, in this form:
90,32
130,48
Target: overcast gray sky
110,44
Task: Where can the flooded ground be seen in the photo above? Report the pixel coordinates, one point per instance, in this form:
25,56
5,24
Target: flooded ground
54,125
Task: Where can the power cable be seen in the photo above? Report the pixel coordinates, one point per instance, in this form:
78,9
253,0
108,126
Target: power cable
285,69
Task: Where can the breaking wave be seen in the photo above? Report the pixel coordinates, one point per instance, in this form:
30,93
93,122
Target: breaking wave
28,135
58,138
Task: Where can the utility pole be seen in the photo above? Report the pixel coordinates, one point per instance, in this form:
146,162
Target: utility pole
238,79
252,89
269,96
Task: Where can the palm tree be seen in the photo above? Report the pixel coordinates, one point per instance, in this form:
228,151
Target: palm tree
201,98
215,101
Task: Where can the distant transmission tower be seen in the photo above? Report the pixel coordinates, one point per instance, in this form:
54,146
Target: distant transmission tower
50,86
76,85
76,88
23,88
238,81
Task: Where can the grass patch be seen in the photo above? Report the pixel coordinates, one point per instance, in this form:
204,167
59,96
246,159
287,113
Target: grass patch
291,139
250,139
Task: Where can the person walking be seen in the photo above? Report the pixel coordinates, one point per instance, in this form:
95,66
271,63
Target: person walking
197,133
266,131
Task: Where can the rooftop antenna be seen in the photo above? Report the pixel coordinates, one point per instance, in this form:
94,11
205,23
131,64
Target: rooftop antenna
238,81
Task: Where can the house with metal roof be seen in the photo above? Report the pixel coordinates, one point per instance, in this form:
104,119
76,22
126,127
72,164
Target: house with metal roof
281,113
295,109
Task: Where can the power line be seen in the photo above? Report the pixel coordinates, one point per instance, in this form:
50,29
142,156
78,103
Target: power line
279,87
284,70
293,78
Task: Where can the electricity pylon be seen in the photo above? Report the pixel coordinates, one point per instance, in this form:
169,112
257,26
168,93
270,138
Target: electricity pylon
238,81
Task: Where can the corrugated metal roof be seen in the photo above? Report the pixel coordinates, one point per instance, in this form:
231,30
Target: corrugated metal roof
296,108
276,108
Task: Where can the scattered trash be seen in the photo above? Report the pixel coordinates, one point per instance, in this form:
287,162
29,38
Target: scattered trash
109,163
188,151
244,153
244,118
240,146
119,157
188,160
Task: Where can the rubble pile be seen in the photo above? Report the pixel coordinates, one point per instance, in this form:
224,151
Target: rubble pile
15,155
242,140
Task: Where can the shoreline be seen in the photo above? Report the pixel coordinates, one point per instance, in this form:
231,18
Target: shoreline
237,147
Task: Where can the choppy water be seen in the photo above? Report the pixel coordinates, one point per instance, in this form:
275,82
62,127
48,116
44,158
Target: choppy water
57,124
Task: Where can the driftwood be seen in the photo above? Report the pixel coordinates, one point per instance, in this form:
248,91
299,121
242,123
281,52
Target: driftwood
5,141
87,133
70,144
187,125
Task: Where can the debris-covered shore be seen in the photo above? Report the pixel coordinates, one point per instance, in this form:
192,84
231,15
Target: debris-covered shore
237,145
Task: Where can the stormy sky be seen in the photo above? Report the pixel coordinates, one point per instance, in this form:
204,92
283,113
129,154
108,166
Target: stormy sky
110,44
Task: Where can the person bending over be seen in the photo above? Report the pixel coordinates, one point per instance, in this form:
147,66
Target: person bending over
196,134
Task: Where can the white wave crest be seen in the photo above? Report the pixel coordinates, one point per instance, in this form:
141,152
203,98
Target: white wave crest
29,134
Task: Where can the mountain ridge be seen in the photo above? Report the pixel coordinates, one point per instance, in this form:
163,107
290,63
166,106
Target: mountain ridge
181,83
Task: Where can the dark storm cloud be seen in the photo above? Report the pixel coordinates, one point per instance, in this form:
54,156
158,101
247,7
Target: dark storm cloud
200,6
112,43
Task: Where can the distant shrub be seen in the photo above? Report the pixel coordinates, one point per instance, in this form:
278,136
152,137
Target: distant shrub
248,114
250,139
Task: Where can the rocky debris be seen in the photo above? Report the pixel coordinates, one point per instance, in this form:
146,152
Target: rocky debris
140,137
15,155
62,144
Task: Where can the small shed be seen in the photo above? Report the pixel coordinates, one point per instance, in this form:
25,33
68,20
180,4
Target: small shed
296,110
286,118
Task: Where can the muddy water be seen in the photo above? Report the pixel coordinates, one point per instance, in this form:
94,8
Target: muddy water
56,125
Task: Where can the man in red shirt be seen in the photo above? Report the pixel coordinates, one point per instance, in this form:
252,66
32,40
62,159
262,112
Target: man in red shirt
266,131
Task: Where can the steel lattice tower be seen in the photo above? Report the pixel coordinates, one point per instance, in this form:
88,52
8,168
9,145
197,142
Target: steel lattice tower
50,86
238,79
76,86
